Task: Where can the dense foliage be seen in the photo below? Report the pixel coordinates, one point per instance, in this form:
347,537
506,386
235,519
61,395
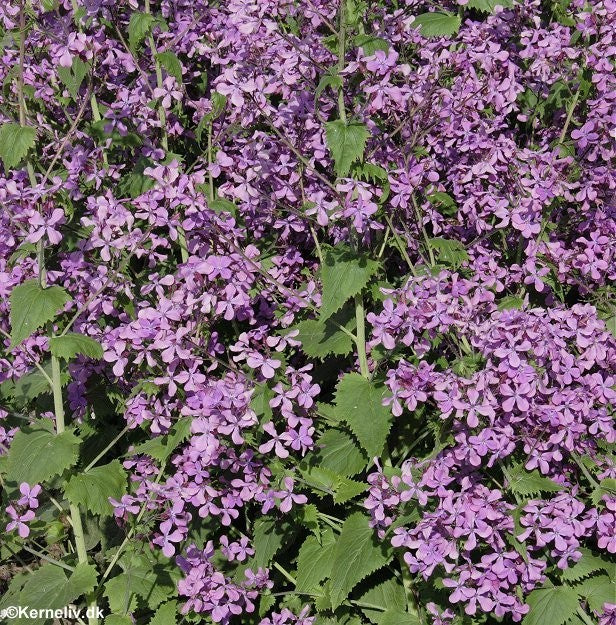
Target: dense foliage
308,310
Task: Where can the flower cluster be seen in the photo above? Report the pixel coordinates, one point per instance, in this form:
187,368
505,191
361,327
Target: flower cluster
227,209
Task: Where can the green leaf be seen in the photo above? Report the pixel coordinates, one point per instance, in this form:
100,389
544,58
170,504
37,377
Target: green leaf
81,582
73,76
315,561
370,44
343,275
219,102
357,553
347,489
551,606
444,202
359,404
93,488
598,591
71,344
346,142
397,617
322,338
321,480
49,587
338,452
166,614
388,595
33,384
138,579
268,536
170,62
606,486
488,6
118,619
15,141
161,447
329,80
34,443
222,205
527,483
308,516
586,566
511,302
437,24
260,402
138,28
450,252
32,306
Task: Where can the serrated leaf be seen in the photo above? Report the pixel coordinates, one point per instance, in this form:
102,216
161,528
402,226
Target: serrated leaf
170,62
528,483
606,486
161,447
268,536
71,344
15,142
166,614
444,202
31,444
323,338
357,554
32,306
118,619
338,452
322,601
347,489
260,402
343,275
359,405
53,588
488,6
329,80
370,44
314,562
138,579
73,76
585,566
346,142
437,24
551,606
450,252
397,617
32,384
308,515
597,591
510,302
388,595
138,28
321,479
221,205
93,488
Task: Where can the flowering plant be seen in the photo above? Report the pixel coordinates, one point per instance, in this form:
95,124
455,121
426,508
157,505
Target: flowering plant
308,310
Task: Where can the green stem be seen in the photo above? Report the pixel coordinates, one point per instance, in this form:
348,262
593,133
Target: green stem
75,516
341,56
572,106
42,556
284,572
360,318
209,161
107,448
